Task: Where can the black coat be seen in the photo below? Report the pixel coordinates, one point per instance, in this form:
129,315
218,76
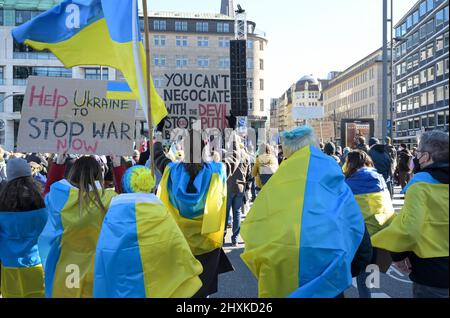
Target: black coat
381,160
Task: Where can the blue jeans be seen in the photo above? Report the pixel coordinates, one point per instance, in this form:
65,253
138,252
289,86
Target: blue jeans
234,201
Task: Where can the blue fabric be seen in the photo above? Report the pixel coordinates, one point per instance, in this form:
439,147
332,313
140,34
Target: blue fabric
50,240
118,87
119,26
191,205
424,177
366,180
118,269
19,232
332,229
50,26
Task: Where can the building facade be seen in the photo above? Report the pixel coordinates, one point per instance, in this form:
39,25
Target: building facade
421,71
183,41
356,93
305,92
195,42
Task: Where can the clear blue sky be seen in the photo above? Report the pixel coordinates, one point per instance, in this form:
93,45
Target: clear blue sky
306,36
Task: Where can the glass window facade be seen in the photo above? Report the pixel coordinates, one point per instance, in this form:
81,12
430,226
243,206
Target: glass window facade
21,73
159,25
181,26
96,73
421,70
202,27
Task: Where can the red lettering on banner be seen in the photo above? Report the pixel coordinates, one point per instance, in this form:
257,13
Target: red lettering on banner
49,100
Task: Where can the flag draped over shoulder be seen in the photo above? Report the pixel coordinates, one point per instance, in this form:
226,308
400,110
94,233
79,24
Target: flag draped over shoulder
96,32
141,252
373,198
303,230
422,225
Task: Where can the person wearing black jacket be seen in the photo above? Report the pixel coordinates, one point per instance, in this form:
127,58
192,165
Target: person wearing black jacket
381,161
418,237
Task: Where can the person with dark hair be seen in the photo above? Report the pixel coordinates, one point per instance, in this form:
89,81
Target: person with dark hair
196,196
76,208
371,193
141,252
22,219
330,150
404,168
361,144
382,162
419,236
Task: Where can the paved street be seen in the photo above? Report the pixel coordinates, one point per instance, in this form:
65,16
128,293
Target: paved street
242,284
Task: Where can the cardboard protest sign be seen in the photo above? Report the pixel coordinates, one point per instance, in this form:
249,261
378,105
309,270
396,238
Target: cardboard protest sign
196,96
74,115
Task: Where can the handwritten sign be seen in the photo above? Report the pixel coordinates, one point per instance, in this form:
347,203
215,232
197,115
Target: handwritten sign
74,115
197,97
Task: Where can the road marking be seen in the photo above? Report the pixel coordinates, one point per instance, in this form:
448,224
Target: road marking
396,271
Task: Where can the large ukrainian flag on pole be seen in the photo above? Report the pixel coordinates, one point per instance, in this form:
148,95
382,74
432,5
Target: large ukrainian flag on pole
96,32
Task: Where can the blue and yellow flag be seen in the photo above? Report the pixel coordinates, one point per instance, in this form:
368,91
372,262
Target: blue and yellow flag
200,214
373,198
96,32
422,225
69,241
20,264
141,252
303,230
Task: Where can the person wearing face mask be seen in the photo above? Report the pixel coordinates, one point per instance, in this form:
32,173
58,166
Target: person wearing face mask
418,237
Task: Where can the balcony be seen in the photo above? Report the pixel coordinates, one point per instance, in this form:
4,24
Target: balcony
34,56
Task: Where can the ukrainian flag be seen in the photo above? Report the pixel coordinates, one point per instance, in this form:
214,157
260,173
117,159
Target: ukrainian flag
141,252
119,91
422,226
373,198
303,230
21,269
69,241
95,32
200,215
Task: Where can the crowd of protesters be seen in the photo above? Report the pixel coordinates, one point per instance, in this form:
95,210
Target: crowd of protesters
112,217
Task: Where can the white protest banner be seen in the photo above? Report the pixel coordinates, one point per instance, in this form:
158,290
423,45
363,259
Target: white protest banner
74,116
302,112
202,96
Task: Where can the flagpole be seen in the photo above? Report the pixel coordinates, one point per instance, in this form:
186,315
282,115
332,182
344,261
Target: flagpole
149,98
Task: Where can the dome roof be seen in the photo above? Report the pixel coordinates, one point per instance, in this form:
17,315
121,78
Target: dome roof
307,78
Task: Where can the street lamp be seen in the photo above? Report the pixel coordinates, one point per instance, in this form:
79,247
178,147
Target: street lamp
10,95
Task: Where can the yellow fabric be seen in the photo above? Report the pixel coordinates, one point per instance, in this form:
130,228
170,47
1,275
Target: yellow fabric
78,245
120,95
422,225
103,51
205,233
170,269
377,210
264,159
272,229
344,167
22,282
